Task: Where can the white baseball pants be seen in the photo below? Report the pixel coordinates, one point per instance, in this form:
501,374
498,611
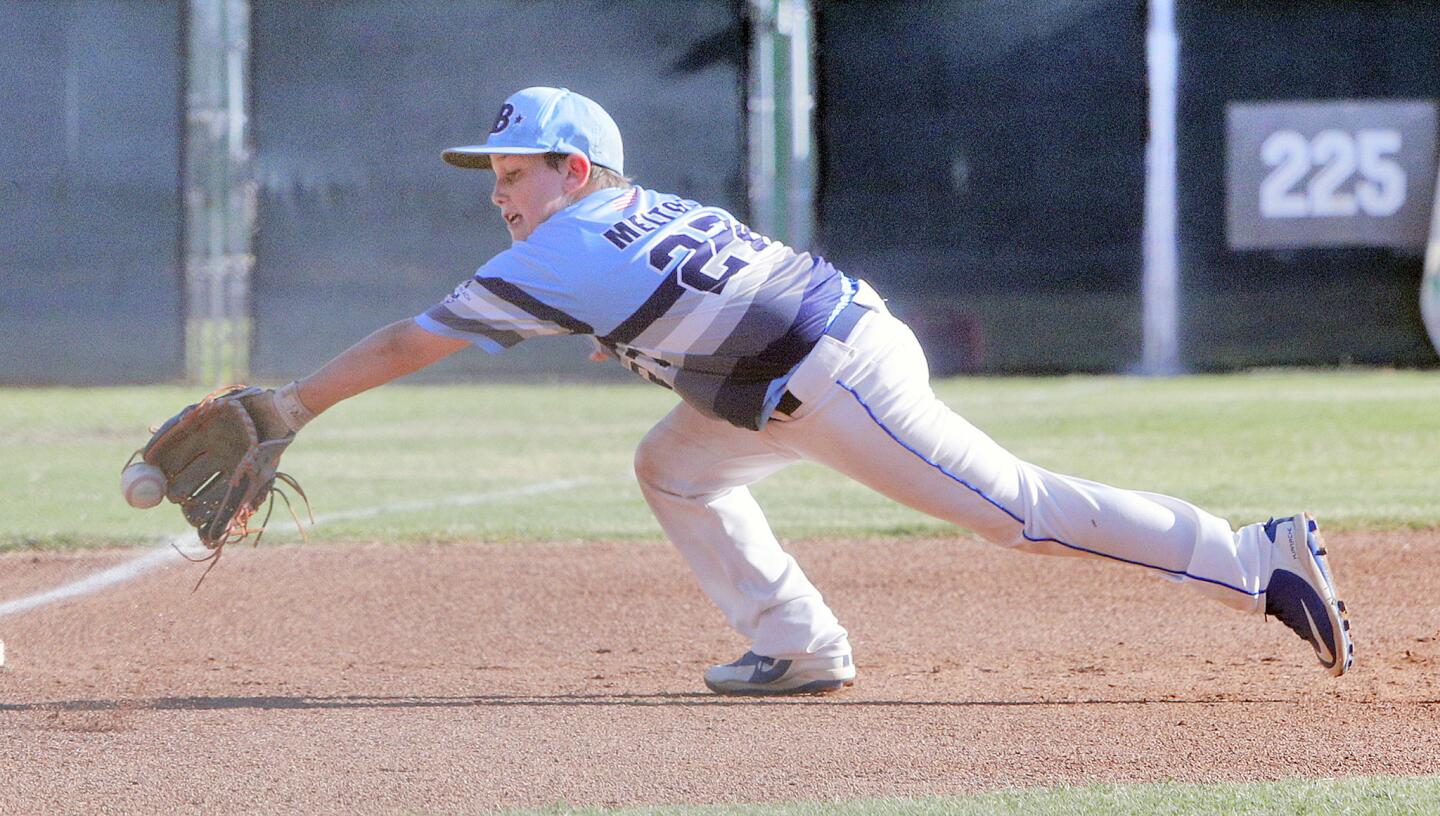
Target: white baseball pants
867,410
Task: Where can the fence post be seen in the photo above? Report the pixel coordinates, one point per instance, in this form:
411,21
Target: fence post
219,193
781,106
1160,286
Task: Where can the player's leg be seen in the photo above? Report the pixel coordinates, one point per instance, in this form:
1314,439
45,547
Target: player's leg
876,419
867,410
693,471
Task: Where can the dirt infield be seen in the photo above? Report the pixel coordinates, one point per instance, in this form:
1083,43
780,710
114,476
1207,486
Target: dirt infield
371,678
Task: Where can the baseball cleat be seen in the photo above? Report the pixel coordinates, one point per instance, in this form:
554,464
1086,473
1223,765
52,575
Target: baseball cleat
756,674
1301,592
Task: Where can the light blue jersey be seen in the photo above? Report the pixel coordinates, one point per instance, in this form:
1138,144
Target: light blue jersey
684,295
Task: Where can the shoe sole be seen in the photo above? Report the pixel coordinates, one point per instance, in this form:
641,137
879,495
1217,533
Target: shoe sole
814,688
1318,574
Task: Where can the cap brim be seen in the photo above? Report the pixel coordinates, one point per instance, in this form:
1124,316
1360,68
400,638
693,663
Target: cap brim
477,157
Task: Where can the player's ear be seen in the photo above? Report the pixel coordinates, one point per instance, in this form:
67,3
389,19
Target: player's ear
577,172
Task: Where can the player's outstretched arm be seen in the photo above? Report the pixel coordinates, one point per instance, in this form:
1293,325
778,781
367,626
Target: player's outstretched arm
392,352
219,458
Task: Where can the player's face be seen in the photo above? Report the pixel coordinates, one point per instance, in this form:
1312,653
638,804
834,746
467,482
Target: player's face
527,191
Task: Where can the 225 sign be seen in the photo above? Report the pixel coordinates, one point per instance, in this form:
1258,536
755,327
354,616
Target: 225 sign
1354,173
1319,174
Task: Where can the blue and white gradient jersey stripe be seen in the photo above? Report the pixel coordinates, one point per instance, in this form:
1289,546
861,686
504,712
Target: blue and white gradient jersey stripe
684,295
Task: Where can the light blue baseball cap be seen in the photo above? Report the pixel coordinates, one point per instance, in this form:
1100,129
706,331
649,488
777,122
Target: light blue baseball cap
547,120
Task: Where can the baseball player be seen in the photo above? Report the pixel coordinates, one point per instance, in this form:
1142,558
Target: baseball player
777,356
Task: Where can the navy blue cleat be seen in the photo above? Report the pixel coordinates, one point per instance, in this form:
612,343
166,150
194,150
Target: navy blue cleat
756,674
1301,592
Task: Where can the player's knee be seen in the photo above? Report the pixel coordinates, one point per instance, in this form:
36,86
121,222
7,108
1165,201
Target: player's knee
654,463
666,462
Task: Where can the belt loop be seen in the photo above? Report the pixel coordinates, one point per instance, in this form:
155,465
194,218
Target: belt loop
844,323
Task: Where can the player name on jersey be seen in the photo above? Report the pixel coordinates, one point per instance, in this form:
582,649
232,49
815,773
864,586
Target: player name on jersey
625,231
684,295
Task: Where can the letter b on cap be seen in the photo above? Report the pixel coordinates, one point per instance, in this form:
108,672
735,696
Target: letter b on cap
502,119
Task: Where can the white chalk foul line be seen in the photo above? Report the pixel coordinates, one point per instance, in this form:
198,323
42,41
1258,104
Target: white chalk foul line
448,501
167,552
117,574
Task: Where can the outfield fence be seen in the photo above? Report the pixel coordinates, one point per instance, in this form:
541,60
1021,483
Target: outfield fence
983,164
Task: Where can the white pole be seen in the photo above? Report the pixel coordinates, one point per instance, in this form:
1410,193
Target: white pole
761,104
794,23
1160,285
1430,283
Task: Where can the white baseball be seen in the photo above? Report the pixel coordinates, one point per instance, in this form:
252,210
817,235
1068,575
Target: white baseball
143,485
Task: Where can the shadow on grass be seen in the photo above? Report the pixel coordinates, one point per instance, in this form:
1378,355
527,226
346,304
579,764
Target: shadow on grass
685,699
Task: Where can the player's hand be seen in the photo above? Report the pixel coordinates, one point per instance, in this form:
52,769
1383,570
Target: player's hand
278,412
269,423
598,352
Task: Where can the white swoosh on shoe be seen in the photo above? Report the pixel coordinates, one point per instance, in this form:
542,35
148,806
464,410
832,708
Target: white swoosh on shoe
1327,656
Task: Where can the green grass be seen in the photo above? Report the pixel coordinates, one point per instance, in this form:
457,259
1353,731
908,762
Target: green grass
1330,797
1356,447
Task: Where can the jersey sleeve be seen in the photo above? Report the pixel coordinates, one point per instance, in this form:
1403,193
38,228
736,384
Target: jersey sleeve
499,306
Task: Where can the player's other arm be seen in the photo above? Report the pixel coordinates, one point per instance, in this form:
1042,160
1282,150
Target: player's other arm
392,352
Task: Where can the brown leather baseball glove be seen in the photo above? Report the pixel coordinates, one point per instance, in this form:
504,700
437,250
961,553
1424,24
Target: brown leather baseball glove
220,459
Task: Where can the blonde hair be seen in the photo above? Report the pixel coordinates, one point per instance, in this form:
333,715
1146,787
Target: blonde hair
600,177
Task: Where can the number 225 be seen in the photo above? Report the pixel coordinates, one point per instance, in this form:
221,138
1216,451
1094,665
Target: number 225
1379,191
